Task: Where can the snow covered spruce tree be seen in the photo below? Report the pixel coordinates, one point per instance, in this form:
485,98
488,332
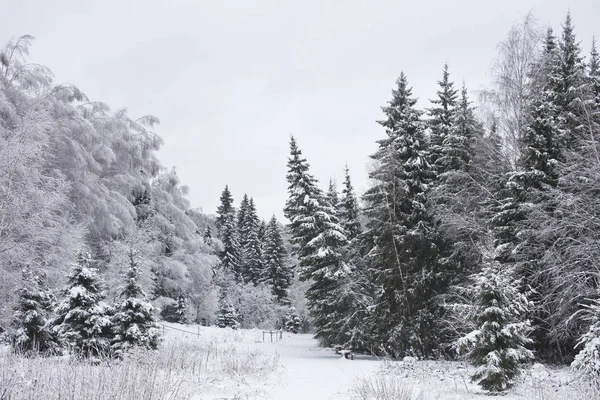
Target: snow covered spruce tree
208,235
455,197
354,291
83,320
317,238
332,195
403,257
252,265
181,310
497,346
242,235
228,317
134,323
31,329
225,222
276,272
348,208
442,115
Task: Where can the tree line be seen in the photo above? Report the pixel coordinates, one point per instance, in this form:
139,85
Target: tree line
478,234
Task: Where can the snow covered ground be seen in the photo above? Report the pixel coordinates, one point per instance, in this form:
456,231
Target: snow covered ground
208,363
305,372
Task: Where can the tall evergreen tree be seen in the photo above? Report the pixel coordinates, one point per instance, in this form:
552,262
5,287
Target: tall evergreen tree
241,221
303,199
230,255
318,239
569,80
404,253
349,208
442,116
83,319
225,209
276,272
252,251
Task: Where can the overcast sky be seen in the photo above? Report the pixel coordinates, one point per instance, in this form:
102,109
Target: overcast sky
231,80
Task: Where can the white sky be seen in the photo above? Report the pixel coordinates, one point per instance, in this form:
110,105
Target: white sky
231,80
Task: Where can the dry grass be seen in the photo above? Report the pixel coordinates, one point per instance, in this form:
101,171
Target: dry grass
384,387
178,370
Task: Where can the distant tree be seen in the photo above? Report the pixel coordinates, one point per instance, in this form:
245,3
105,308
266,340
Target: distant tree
230,254
228,317
349,209
332,194
442,116
277,271
32,332
242,233
181,310
225,209
207,234
252,266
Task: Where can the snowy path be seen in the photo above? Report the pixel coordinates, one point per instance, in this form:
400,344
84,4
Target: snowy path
310,372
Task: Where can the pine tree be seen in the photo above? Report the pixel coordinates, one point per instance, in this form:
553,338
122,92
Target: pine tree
332,195
303,199
225,222
293,323
83,320
276,272
403,254
455,197
457,146
594,73
134,323
262,231
181,310
568,78
207,234
349,209
225,209
241,221
497,346
318,239
32,333
228,317
442,117
252,250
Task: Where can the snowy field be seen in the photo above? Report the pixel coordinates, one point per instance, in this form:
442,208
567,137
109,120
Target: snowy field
217,364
